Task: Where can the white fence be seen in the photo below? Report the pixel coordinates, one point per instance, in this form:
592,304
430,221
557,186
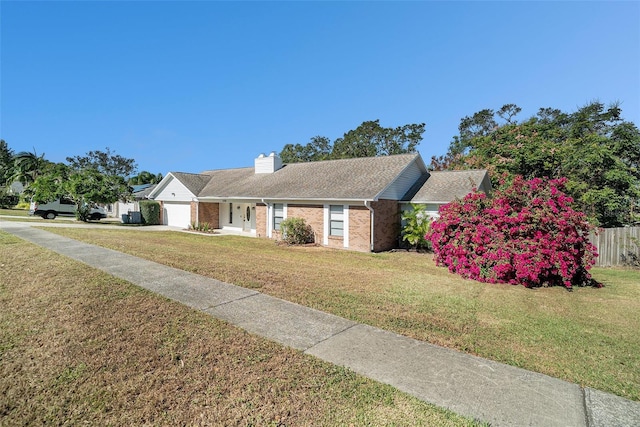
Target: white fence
615,244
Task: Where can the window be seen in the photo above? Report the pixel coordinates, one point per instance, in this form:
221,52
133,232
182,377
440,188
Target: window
336,220
278,215
230,213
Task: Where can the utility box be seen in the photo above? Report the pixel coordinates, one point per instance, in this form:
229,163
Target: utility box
135,218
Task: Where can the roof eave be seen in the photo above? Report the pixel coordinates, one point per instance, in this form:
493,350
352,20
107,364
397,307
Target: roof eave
294,199
425,202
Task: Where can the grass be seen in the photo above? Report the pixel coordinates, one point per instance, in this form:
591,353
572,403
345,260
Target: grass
18,215
15,212
78,346
589,336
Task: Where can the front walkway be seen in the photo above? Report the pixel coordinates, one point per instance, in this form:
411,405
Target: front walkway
501,394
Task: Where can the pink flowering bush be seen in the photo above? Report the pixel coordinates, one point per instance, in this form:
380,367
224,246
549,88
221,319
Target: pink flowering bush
527,233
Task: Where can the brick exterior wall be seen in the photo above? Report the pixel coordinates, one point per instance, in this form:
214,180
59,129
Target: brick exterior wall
208,212
194,210
387,224
359,225
359,228
313,215
335,242
261,220
161,212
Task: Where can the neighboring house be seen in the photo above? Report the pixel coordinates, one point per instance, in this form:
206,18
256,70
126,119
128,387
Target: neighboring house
350,203
140,192
16,187
441,187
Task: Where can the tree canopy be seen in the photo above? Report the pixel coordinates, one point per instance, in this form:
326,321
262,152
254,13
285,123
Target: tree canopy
367,140
594,148
318,148
105,162
98,177
6,163
6,172
145,177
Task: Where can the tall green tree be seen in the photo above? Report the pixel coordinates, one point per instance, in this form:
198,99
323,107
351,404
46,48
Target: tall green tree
367,140
6,163
593,147
370,140
6,173
106,162
318,148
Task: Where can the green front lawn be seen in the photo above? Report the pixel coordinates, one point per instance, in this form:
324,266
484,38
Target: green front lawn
80,347
588,336
14,212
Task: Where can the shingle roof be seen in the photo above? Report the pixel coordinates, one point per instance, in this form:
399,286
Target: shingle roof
347,179
446,186
193,181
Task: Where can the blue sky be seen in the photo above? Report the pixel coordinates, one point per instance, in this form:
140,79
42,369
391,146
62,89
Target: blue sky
190,86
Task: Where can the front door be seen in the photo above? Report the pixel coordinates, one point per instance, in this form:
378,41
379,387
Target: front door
247,218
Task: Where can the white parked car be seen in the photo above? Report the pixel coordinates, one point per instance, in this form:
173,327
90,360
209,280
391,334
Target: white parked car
63,207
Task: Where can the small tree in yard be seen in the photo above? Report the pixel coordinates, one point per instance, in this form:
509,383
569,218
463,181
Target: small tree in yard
89,186
527,233
417,224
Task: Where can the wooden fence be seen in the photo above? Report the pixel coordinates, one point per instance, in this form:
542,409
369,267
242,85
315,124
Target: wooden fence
614,244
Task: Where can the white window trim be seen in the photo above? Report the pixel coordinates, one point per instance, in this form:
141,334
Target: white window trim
325,220
271,213
345,225
327,225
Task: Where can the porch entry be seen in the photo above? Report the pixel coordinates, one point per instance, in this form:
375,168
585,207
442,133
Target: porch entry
238,216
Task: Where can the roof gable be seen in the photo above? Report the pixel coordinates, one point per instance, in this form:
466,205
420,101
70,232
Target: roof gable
194,182
179,186
447,186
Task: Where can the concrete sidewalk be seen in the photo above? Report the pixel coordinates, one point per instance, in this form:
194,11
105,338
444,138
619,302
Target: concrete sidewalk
500,394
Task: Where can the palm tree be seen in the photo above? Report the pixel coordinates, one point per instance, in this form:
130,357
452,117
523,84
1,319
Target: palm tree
28,166
145,177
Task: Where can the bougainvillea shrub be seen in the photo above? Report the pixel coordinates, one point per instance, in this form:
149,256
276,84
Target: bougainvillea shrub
527,234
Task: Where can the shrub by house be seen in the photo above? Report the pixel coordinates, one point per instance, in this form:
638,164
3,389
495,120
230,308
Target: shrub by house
295,231
150,212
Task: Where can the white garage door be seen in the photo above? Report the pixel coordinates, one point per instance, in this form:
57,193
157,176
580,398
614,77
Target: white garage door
177,214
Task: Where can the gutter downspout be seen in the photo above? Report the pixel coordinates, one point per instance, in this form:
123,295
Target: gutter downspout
367,204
